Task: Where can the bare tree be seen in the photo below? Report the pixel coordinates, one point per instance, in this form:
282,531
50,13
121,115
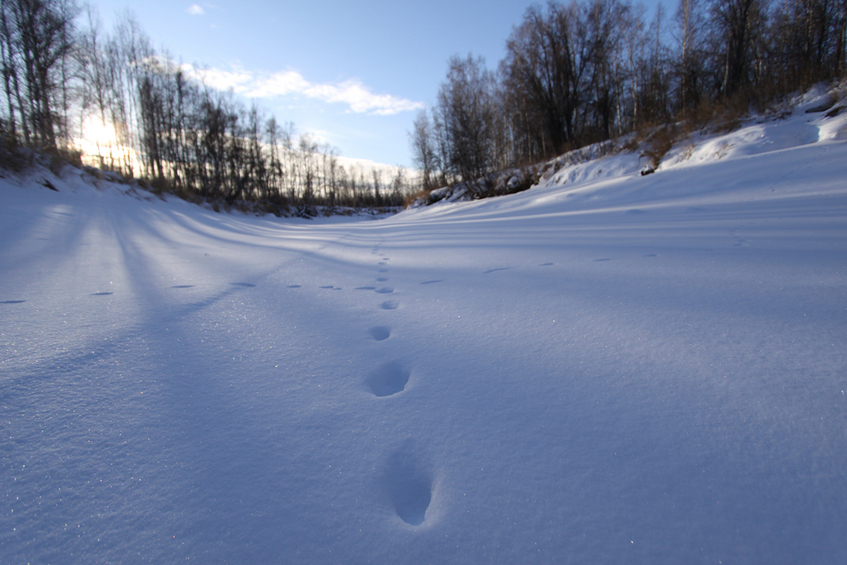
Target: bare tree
735,24
689,24
11,84
423,150
466,109
38,38
603,18
808,38
545,73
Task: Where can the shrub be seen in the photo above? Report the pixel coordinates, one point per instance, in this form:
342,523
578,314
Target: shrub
659,143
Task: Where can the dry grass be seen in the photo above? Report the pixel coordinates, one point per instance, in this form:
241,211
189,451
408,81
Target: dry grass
424,195
658,143
13,157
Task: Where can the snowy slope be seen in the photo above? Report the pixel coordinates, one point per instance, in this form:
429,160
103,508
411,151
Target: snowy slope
617,369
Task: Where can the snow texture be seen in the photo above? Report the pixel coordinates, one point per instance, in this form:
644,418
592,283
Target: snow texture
606,368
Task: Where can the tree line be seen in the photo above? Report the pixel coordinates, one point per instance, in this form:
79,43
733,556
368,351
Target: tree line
587,71
60,71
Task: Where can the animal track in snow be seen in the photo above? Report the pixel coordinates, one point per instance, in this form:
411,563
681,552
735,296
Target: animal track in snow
365,288
294,286
13,302
409,485
244,284
380,333
495,270
382,279
389,379
390,305
329,286
384,290
183,286
100,293
546,265
433,282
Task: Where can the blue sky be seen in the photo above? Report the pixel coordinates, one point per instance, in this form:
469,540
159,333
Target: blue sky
353,73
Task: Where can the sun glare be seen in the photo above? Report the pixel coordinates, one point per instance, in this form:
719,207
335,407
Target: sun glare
99,145
97,133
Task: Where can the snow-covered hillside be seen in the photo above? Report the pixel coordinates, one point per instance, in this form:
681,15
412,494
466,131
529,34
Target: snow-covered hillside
607,368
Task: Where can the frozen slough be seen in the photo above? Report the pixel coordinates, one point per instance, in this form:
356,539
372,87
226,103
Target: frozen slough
620,369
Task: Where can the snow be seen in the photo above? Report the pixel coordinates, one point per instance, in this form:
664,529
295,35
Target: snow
606,368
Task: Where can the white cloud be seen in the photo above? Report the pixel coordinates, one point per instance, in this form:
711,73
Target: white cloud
195,10
238,79
279,84
357,96
360,99
352,92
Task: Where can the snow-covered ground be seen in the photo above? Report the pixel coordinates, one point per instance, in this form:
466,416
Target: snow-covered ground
617,369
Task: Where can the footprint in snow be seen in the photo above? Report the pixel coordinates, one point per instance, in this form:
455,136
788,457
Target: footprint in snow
244,284
380,333
384,290
390,305
13,302
294,286
495,270
100,293
433,282
650,255
408,482
365,288
329,286
183,286
546,265
382,270
389,379
382,279
603,259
